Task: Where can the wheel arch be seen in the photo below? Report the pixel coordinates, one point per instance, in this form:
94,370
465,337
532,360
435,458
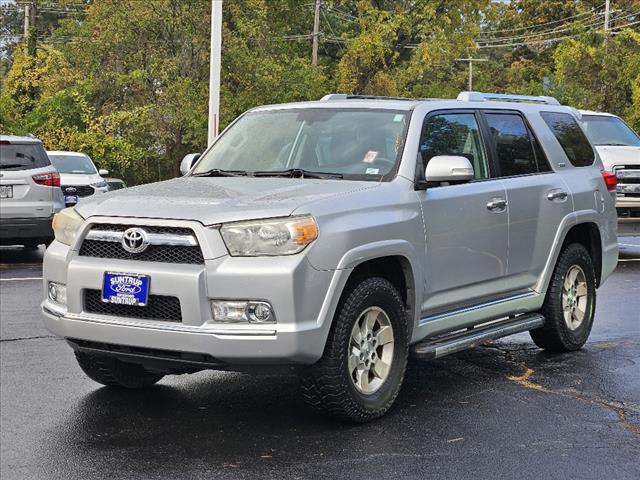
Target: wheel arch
574,229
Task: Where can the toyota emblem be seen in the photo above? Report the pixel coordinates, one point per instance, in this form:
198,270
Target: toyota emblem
134,240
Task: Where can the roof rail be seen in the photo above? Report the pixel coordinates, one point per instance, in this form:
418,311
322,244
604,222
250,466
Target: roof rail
503,97
346,96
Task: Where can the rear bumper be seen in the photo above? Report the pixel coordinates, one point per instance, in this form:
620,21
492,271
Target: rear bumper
12,230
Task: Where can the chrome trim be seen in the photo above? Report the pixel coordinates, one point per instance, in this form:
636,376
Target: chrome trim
216,330
473,308
171,239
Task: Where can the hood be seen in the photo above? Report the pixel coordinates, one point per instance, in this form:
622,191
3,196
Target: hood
612,155
79,179
216,200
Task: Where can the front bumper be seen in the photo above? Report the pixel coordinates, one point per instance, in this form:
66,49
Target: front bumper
301,296
15,229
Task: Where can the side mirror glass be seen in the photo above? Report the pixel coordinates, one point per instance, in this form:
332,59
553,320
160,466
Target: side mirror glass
103,172
448,169
187,162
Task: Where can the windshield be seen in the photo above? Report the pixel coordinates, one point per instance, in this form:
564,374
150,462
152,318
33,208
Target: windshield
73,164
602,130
353,143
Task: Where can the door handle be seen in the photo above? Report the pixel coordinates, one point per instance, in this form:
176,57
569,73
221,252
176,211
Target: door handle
497,205
557,195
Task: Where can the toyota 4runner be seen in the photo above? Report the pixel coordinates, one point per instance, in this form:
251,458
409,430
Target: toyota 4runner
341,236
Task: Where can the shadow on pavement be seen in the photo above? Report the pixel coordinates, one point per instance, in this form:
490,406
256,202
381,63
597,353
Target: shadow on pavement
14,255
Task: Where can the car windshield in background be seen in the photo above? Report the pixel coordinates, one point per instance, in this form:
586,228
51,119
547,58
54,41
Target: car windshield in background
338,143
22,156
604,130
73,164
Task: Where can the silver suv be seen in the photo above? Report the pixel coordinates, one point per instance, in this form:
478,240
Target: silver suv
29,192
340,236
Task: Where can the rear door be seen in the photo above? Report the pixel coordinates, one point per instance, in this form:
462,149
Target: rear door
22,165
466,224
538,197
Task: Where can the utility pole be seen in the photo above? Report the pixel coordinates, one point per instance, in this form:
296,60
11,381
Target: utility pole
214,70
29,24
471,60
607,15
316,33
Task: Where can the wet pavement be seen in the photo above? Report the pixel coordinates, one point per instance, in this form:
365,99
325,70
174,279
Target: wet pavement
503,411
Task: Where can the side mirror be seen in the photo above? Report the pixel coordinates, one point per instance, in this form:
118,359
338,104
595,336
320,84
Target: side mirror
187,162
449,169
103,172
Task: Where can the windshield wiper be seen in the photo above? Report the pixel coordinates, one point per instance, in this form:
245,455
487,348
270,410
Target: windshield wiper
297,173
216,172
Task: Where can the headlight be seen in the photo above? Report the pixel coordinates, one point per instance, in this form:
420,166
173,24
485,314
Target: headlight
66,224
278,236
101,184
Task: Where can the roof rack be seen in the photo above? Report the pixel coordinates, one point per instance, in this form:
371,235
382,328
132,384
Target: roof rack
502,97
346,96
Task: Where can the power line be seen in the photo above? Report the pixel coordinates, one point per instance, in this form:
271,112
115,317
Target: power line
512,40
515,29
592,22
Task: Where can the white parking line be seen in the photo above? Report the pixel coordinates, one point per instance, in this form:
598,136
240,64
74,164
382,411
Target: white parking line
19,279
629,245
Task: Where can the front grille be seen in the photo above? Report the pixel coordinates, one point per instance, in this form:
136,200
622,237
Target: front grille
118,227
81,190
628,180
159,307
153,253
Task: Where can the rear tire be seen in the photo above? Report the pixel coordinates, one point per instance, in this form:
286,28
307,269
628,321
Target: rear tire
570,302
365,358
110,371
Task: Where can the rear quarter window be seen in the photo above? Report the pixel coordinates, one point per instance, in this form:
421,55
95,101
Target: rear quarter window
571,137
23,156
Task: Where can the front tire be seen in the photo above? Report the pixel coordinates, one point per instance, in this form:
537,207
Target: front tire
570,303
363,366
112,372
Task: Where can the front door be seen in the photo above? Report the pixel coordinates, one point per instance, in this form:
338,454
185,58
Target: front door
466,224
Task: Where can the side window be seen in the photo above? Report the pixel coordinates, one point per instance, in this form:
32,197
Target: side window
541,158
571,137
454,134
513,146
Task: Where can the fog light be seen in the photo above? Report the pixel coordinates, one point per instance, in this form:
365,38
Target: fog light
58,293
242,311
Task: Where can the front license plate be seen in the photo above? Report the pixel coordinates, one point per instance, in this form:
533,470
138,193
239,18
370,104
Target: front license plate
125,288
6,191
70,199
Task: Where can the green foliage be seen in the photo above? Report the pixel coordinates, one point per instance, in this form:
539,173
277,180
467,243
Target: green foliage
126,81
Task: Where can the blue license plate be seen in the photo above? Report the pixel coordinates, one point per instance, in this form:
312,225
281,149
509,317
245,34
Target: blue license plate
70,199
125,289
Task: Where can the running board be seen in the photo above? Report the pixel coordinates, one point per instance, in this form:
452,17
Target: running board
440,346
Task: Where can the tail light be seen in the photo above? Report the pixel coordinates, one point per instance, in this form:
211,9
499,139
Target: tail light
610,180
49,179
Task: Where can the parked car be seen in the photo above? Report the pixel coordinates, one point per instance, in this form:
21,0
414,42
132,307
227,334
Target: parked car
115,183
29,192
619,148
79,177
340,236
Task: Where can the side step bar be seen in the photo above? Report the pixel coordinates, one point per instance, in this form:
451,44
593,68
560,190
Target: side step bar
440,346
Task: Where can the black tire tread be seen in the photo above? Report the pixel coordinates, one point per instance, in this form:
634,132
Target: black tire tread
325,387
553,335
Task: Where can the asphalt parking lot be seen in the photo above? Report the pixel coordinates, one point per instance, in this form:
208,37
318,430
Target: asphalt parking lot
502,411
